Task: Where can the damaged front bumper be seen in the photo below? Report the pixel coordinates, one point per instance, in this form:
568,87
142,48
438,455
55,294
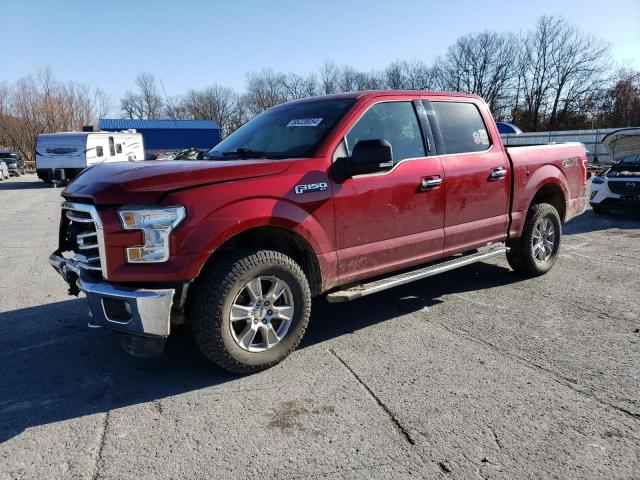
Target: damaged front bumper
140,312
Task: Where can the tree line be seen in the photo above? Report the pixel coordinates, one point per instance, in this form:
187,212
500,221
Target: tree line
553,77
40,104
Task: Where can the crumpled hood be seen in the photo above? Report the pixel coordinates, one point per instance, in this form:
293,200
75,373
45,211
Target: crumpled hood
146,182
622,143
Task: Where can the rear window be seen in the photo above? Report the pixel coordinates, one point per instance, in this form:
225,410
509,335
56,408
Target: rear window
462,127
99,151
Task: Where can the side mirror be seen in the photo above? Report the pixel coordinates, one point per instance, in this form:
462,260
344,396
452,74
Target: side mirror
369,156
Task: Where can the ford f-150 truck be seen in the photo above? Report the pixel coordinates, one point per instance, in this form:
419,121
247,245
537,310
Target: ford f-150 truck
343,195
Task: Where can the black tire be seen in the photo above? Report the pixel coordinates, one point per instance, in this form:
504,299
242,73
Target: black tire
600,210
214,292
521,256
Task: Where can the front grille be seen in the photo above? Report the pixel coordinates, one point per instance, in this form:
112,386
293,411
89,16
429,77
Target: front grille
625,187
84,237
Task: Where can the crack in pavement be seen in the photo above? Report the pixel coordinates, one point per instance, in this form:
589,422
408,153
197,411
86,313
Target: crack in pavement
495,437
104,424
557,377
399,427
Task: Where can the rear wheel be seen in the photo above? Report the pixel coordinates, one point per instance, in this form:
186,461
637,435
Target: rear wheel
536,251
249,311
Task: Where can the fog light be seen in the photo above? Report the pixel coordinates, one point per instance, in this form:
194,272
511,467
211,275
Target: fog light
116,310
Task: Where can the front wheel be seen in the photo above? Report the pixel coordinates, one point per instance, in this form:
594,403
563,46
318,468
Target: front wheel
250,310
536,251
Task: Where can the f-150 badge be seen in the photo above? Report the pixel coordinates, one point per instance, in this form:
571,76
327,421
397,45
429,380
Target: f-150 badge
311,187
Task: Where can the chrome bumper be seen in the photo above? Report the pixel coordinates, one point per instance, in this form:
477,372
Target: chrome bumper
135,311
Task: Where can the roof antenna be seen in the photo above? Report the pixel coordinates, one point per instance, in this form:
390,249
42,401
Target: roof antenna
166,99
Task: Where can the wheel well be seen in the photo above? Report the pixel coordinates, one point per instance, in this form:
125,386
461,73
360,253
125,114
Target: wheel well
553,195
280,240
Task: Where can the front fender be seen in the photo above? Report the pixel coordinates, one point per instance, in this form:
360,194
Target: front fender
203,234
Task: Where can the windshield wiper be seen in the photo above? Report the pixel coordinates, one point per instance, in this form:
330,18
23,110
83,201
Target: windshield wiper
248,153
244,152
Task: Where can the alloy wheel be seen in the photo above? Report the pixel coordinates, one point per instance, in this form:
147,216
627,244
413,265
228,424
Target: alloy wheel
543,240
261,313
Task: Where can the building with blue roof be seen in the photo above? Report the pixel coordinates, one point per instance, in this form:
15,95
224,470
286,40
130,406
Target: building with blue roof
168,135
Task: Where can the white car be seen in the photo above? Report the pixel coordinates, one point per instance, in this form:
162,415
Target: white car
619,185
4,171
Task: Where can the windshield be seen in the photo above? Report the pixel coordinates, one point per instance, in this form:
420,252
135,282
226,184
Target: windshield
284,131
630,160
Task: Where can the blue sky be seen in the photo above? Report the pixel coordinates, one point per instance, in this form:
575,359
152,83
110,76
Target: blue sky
190,44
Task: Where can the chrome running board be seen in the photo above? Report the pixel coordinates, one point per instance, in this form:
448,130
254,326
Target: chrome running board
362,290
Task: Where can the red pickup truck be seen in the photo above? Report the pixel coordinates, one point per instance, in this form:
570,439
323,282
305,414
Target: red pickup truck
343,195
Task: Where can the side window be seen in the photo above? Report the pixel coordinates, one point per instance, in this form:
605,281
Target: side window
462,127
118,148
395,122
112,148
99,151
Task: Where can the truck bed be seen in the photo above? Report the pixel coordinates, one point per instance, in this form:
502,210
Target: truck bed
563,165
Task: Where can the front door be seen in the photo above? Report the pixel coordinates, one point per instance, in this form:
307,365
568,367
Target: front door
393,219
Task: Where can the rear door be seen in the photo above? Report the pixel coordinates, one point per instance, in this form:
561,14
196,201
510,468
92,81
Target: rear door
477,175
387,220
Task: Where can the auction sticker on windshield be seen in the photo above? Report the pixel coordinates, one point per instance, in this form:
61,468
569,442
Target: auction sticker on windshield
304,122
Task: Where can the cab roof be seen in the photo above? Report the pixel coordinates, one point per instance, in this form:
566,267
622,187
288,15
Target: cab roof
367,94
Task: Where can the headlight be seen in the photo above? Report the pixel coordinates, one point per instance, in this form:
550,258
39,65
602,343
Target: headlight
156,224
597,180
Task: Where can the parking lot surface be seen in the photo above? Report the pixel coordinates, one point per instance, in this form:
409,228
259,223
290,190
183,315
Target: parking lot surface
477,373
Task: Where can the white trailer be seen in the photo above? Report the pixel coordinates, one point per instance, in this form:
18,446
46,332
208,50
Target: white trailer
62,156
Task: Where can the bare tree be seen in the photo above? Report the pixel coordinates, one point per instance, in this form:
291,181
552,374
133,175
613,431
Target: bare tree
562,72
264,90
536,70
483,64
579,65
329,76
103,103
413,75
620,105
39,104
296,86
214,102
146,103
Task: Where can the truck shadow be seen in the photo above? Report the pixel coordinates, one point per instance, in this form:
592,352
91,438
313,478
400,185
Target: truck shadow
54,368
33,184
330,320
590,222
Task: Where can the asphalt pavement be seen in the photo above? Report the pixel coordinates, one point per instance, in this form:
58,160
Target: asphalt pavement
476,373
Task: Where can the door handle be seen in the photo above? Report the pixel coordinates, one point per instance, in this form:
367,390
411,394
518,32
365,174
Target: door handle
430,182
499,172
